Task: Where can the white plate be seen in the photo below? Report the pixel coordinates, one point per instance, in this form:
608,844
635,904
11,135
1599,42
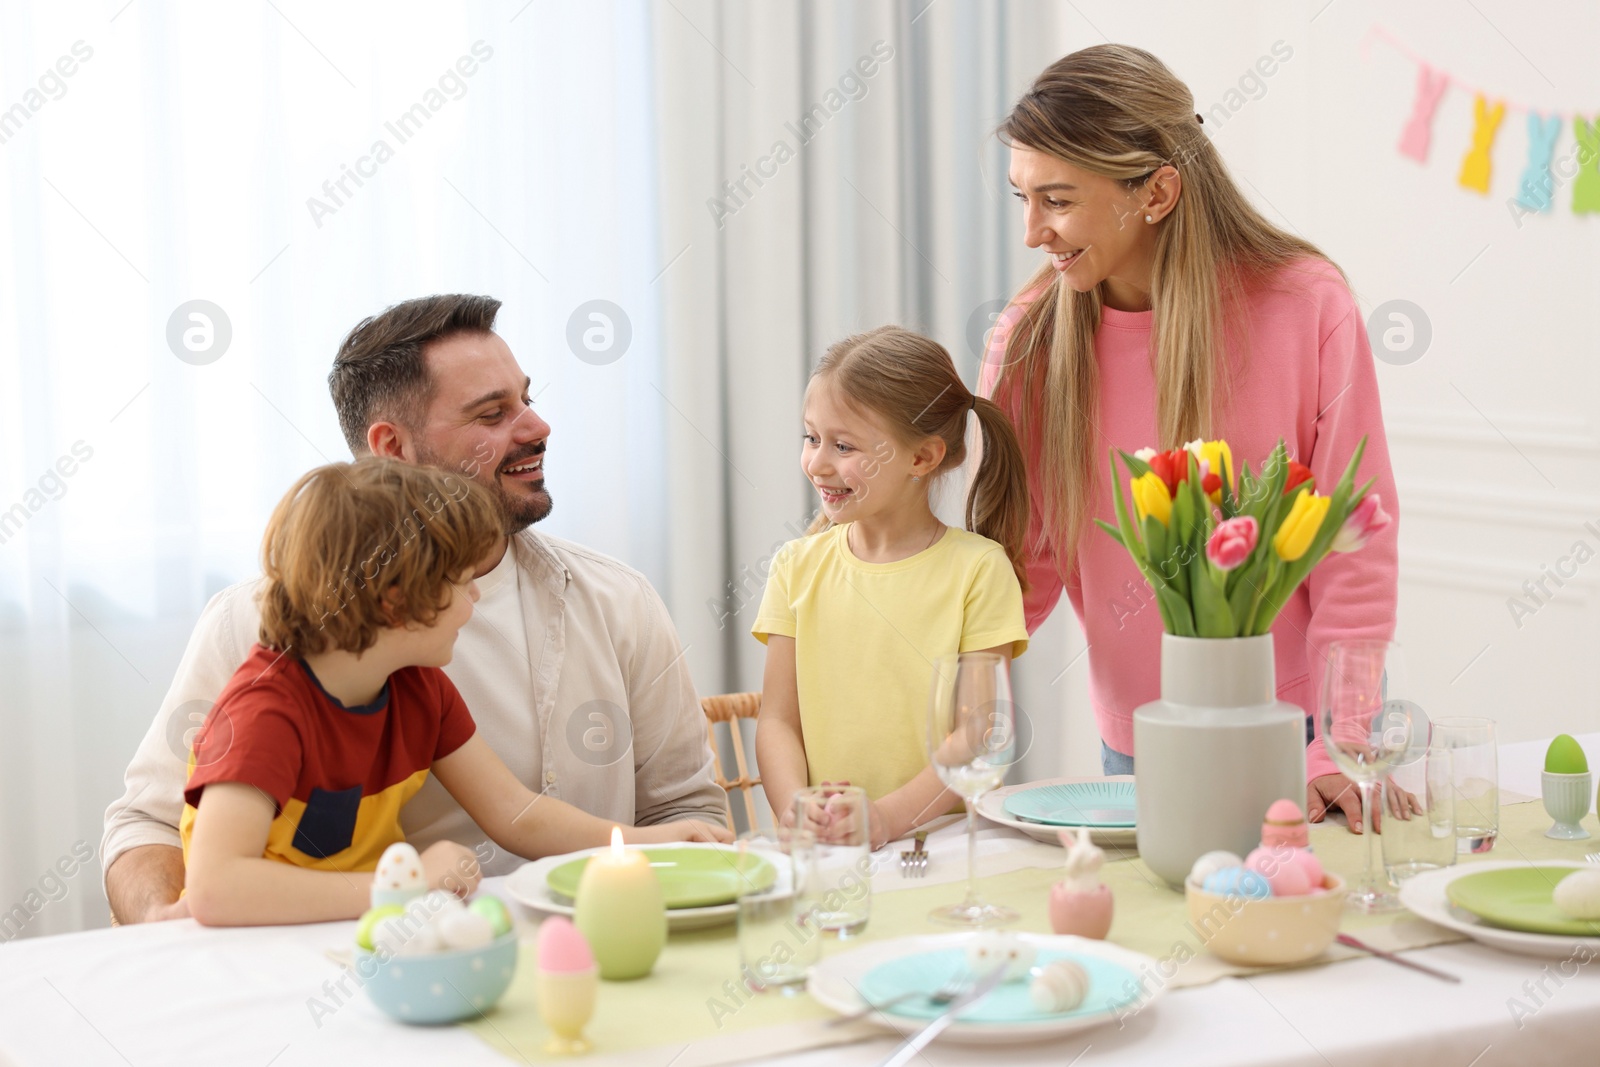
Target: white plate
833,984
1424,895
526,885
992,807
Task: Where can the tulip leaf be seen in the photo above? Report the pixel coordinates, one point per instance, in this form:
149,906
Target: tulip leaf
1212,618
1177,611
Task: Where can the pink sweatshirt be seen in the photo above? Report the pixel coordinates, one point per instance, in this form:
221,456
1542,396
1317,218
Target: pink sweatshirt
1310,380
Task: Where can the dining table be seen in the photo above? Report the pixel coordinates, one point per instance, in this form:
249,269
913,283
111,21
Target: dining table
183,994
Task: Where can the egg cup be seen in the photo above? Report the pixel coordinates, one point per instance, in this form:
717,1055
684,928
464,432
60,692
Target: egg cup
1566,799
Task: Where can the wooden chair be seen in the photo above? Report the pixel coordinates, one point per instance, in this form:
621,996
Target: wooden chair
732,709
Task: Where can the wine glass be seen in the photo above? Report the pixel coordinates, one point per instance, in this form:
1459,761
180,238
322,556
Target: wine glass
1369,727
972,742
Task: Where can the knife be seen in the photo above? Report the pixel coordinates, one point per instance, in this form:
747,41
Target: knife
921,1038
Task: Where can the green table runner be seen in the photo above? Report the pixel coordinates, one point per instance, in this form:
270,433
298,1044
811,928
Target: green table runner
694,1001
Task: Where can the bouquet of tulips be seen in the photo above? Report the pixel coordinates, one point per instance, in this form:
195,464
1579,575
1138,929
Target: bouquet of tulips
1223,555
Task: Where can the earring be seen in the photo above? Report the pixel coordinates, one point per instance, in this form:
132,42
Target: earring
916,477
1147,218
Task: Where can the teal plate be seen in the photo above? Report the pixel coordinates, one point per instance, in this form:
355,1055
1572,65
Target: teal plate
1111,986
1098,805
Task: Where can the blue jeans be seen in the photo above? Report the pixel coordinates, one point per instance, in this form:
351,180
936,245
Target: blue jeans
1114,762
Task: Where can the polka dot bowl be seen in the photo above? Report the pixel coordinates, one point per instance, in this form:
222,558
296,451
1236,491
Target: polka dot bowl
440,987
1271,932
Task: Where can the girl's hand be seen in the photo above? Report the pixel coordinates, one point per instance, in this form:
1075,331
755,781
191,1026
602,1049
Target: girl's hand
452,867
680,830
878,826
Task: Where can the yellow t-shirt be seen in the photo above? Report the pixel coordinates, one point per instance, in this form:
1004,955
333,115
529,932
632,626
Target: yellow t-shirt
866,636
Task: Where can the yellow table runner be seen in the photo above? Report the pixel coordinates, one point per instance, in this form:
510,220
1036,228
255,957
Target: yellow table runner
693,1007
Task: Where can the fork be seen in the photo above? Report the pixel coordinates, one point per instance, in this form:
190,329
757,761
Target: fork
1593,857
938,999
914,864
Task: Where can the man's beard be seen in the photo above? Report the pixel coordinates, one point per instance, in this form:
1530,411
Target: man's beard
519,510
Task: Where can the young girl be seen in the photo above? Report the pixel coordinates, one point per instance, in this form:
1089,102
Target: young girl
856,612
336,719
1169,309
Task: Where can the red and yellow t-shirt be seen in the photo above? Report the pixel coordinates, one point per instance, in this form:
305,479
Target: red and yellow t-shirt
338,775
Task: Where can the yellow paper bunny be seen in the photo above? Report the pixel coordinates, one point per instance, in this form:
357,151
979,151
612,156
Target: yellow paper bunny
1475,167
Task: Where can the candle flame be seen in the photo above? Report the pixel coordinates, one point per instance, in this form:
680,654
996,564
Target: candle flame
616,842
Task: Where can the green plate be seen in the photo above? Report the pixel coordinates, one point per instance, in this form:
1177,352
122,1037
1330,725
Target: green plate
1518,898
690,877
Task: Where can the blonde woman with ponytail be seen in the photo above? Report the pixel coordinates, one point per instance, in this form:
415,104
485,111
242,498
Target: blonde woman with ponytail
1169,309
856,611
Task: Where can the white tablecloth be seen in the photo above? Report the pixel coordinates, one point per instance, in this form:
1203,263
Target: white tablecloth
175,993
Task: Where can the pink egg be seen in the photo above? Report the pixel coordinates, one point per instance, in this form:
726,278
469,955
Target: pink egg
1285,825
1282,872
562,948
1308,862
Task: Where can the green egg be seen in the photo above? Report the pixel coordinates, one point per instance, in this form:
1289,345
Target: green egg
492,909
372,917
1565,756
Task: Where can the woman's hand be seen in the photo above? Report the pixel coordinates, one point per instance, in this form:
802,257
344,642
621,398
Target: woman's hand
1335,790
679,830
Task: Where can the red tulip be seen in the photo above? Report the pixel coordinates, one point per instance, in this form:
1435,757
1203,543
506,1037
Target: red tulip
1299,473
1171,467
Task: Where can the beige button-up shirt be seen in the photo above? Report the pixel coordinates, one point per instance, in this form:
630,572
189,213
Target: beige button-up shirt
598,709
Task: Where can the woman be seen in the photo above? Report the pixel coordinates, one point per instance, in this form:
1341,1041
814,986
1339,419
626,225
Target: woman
1170,309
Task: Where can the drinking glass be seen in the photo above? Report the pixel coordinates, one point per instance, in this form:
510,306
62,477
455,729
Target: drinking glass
840,817
1367,727
780,939
972,743
1425,839
1475,770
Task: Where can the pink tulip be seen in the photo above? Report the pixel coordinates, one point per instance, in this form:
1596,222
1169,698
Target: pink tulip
1367,519
1232,542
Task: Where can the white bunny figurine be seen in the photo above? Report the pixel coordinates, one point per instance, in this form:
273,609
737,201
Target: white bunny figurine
1080,903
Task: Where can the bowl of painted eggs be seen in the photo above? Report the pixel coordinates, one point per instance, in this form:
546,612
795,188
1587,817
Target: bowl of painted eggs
1275,906
436,959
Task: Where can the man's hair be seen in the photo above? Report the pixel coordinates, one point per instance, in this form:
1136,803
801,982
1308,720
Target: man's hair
355,548
379,372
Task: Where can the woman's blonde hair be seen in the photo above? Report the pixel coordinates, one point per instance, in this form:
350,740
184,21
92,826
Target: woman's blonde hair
1117,111
355,548
911,383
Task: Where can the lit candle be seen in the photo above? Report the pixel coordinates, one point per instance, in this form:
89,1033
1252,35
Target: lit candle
620,911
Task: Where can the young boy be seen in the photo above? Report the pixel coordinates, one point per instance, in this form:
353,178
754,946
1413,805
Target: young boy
336,718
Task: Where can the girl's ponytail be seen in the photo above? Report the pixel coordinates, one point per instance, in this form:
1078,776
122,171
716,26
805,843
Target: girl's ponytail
997,503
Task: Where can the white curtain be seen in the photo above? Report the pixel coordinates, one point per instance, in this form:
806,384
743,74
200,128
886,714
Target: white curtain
183,158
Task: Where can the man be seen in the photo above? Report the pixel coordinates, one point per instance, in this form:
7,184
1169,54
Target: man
569,664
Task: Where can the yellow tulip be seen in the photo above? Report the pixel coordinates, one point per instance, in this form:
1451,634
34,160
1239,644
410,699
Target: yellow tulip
1300,528
1150,497
1219,457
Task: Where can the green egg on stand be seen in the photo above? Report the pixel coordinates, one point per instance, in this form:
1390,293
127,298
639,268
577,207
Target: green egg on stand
1565,756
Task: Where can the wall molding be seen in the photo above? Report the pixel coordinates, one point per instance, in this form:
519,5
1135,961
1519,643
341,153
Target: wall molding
1494,577
1530,431
1544,509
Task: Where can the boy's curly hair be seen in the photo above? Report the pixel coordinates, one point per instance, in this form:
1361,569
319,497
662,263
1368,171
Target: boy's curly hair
355,548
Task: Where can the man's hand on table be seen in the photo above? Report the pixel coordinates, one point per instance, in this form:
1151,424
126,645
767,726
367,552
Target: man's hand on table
1335,790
